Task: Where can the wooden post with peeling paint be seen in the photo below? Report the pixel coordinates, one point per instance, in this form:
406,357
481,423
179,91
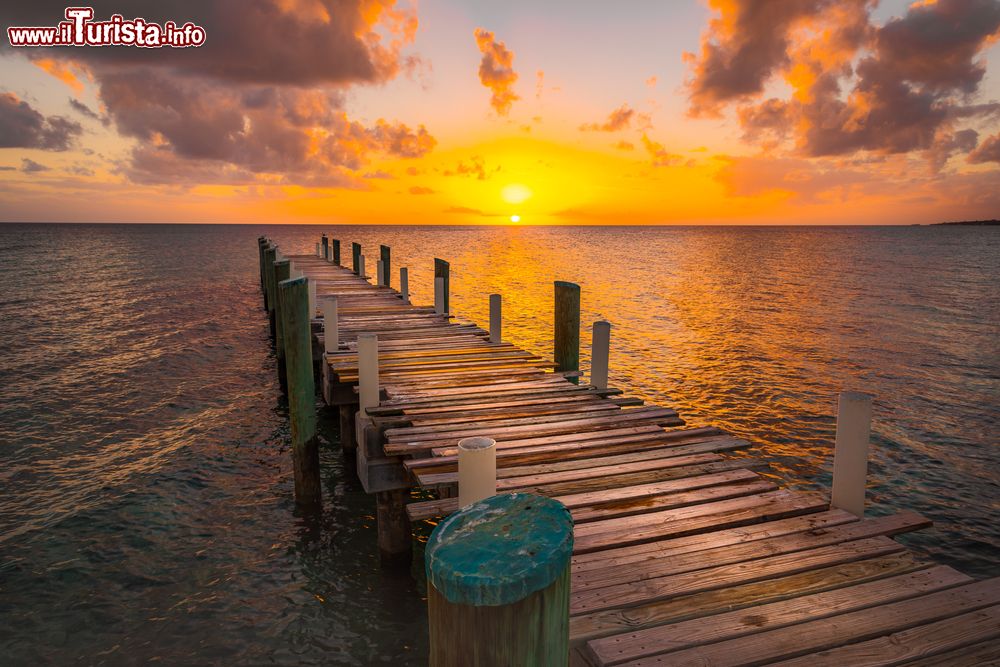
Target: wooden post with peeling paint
498,583
297,333
356,257
443,270
271,286
282,271
336,251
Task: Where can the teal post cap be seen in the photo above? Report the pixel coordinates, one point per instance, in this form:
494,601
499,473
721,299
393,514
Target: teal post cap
500,550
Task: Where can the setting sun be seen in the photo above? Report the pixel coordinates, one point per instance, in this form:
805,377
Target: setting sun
515,218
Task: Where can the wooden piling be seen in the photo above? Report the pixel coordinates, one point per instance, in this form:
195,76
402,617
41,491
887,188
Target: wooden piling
498,583
356,257
395,538
567,327
496,318
261,245
600,349
294,297
331,325
380,273
361,267
850,458
282,271
404,285
385,255
326,247
270,287
443,270
336,251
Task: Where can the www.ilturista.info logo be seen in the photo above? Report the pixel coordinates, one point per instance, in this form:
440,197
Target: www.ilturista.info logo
79,30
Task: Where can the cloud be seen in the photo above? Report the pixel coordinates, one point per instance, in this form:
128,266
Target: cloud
888,89
476,166
21,126
625,145
261,101
84,110
651,82
539,84
989,151
619,119
496,71
420,190
29,166
658,152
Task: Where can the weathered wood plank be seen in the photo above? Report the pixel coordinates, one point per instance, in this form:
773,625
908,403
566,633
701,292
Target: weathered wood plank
663,639
967,626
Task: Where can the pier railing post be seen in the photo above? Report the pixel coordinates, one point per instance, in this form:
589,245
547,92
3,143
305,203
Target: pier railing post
850,457
385,254
380,273
261,245
294,296
336,251
319,250
270,255
361,267
355,257
443,270
600,349
282,271
404,285
326,247
496,317
368,384
331,325
498,583
567,327
477,469
439,296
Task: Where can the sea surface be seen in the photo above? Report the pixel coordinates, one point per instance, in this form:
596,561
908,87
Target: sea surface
146,507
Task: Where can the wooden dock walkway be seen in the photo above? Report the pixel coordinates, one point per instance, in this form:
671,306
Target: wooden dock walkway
682,555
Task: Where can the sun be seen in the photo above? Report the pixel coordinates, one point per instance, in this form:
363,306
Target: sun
515,193
515,219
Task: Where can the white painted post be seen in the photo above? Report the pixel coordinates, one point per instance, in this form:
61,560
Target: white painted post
380,273
496,317
368,389
439,296
600,348
361,266
319,250
404,285
331,325
312,297
477,470
850,457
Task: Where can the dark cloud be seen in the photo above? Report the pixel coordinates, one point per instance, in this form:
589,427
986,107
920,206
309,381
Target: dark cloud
21,126
989,151
496,71
262,100
897,88
300,42
84,110
29,166
476,166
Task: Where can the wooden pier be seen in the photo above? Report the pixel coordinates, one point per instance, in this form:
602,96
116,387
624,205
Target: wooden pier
682,554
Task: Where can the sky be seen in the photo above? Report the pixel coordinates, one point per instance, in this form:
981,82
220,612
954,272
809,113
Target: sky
520,112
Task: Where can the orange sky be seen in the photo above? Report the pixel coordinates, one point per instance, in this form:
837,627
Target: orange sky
730,111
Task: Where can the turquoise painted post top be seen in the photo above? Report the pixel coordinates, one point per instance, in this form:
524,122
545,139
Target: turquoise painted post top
500,550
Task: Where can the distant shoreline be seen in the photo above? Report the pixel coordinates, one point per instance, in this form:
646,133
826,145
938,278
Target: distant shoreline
978,223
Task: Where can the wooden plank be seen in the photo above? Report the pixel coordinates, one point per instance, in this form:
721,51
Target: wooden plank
719,538
443,506
656,526
742,596
663,639
613,572
960,602
630,479
986,654
633,593
505,483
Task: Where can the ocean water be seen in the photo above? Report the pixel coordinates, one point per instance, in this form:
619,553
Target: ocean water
145,478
